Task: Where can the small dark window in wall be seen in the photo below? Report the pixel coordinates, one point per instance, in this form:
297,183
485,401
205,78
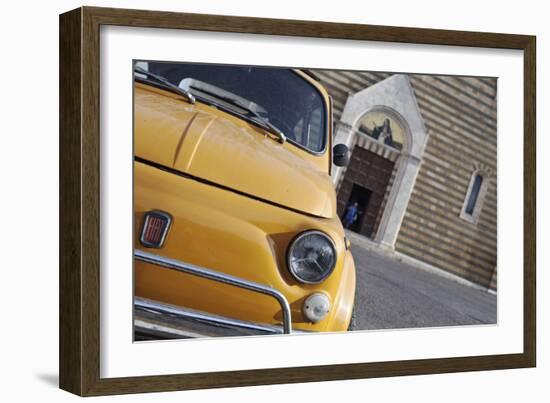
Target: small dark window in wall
474,194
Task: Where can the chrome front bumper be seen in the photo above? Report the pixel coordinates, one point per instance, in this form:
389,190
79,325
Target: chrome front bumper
155,320
158,320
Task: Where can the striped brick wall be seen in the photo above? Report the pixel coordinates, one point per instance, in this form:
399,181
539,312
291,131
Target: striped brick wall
460,115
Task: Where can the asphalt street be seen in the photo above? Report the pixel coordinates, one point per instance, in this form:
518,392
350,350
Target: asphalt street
391,294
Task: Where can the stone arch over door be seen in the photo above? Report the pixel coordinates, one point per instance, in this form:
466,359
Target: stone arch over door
395,97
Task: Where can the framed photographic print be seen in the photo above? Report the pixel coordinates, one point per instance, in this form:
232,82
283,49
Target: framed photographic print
251,201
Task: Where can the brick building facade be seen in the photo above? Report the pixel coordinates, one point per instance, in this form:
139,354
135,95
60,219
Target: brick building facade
422,167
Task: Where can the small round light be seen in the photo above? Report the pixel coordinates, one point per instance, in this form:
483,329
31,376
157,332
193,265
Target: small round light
311,257
316,307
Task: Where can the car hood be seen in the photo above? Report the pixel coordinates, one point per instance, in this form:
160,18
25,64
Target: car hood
217,147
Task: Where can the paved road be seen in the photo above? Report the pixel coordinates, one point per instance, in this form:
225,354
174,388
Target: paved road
392,294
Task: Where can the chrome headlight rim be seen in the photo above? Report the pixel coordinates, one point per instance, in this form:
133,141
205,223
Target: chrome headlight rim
299,237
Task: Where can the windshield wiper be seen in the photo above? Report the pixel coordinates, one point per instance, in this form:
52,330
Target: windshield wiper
186,94
252,108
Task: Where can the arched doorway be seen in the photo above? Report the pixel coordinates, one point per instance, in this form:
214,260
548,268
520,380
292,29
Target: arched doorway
380,138
383,127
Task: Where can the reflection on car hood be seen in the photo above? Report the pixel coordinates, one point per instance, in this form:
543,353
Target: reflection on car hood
212,145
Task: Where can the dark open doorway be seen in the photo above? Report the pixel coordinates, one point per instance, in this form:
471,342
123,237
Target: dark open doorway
361,196
366,181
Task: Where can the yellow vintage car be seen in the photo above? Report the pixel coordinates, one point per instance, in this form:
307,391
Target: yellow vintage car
235,213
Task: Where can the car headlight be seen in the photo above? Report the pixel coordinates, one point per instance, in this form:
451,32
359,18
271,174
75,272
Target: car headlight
311,257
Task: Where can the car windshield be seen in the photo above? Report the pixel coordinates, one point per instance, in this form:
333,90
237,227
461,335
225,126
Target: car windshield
291,103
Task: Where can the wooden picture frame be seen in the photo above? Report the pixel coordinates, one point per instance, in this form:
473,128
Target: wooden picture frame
79,200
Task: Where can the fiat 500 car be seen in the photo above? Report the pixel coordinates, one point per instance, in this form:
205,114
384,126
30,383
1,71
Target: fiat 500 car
234,209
